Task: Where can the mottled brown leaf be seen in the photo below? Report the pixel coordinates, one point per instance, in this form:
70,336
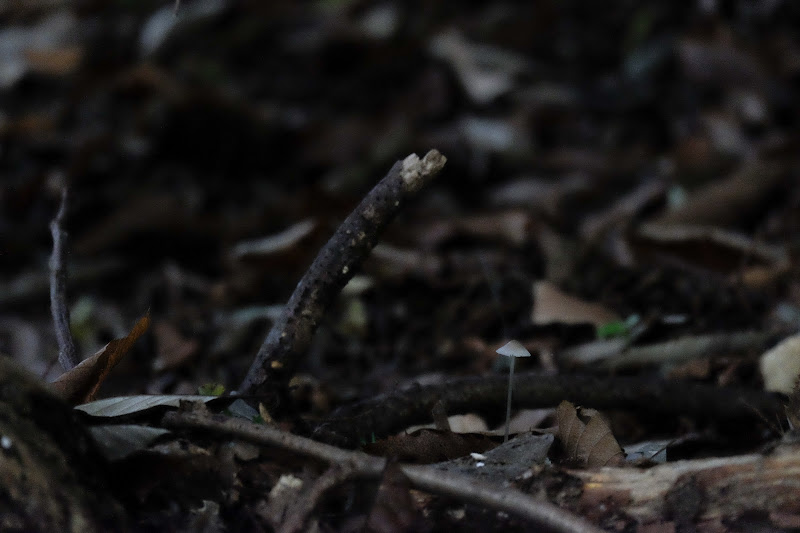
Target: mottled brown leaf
586,437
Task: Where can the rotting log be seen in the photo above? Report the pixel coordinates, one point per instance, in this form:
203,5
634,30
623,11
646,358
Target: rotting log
51,476
762,489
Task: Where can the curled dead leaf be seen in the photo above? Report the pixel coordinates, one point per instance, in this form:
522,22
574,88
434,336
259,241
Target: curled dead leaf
80,384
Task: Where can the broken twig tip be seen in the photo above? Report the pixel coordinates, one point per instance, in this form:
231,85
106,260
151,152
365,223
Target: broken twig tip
416,172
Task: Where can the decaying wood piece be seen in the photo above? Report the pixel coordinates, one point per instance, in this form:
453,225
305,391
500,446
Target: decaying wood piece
51,476
333,267
711,491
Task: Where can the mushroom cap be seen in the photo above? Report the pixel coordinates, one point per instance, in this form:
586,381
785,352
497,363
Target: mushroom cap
513,349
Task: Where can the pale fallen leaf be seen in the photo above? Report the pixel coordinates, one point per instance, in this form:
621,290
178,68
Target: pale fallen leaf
780,366
552,305
80,384
485,72
466,423
127,405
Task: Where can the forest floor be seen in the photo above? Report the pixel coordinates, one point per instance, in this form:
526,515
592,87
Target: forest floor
620,196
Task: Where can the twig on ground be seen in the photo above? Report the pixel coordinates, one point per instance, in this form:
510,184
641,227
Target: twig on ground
617,354
542,513
67,353
333,267
692,348
390,413
298,513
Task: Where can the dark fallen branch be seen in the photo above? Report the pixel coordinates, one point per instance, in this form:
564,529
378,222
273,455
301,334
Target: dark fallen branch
67,353
358,464
290,336
388,414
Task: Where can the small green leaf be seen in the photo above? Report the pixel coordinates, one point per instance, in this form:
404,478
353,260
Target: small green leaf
610,330
211,389
618,328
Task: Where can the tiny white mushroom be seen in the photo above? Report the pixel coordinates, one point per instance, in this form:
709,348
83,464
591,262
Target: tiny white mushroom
512,349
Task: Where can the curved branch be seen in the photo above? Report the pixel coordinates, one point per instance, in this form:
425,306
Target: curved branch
291,335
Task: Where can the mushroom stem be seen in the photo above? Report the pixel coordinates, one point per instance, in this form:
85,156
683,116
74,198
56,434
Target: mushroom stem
508,401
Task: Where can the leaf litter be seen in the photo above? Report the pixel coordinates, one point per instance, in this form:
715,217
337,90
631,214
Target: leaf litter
641,159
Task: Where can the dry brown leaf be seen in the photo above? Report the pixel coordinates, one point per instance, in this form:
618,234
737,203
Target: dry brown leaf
55,62
80,384
587,437
552,305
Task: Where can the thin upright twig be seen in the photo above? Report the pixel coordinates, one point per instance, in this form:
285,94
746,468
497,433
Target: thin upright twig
67,353
291,335
428,478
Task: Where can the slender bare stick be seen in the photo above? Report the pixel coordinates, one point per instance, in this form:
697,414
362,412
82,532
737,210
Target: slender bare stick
542,513
291,335
67,353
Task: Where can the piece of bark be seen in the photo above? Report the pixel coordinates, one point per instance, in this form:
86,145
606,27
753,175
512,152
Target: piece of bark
52,475
696,491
